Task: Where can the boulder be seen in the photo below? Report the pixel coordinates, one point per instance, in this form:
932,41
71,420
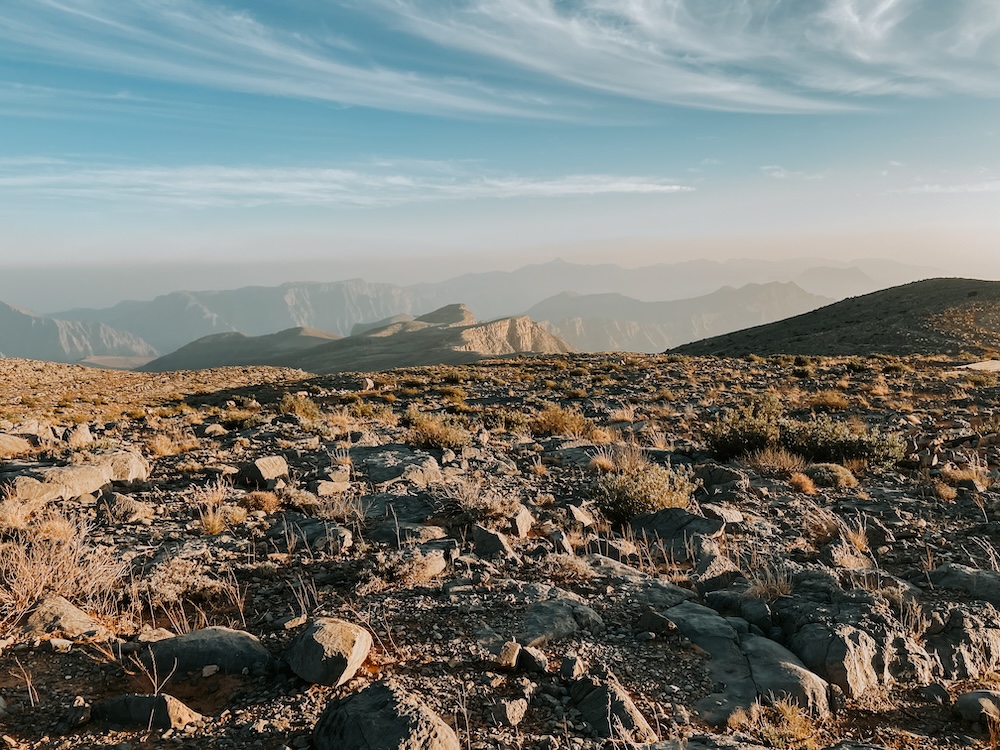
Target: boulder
141,711
557,618
492,544
329,651
382,717
609,709
232,651
979,705
12,445
675,528
264,472
981,584
55,614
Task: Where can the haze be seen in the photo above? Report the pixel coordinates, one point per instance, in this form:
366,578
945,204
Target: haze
152,146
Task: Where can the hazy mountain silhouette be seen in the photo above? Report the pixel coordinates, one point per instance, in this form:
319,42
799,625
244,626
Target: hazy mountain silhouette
232,348
935,316
613,322
173,320
25,334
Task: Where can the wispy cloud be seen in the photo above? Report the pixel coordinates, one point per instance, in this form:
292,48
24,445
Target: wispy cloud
754,55
991,186
380,184
205,44
532,58
778,172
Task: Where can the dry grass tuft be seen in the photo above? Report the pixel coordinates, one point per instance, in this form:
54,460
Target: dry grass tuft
434,431
265,501
802,483
774,461
770,584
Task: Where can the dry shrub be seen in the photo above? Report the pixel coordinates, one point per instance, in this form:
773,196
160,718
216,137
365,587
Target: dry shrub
770,584
301,406
775,461
832,475
564,569
820,525
622,496
828,401
434,431
170,444
802,483
470,501
624,458
55,557
259,500
784,724
16,513
555,420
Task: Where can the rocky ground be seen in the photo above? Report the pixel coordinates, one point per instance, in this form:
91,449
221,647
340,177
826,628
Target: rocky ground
579,551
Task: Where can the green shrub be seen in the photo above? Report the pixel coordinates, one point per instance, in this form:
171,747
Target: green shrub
824,440
752,427
759,425
621,497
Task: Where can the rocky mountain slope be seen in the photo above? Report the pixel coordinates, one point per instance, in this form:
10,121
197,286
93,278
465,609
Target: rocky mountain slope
944,316
227,349
450,335
565,552
25,334
613,322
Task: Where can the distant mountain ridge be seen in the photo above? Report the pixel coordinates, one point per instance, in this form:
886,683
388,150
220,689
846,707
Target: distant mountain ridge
449,335
27,335
171,321
613,322
933,316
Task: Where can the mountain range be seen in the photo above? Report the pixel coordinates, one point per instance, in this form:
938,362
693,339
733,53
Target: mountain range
592,307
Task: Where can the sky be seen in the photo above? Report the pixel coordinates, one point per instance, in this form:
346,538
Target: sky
493,131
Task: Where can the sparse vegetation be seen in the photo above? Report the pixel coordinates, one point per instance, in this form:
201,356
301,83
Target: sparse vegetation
622,496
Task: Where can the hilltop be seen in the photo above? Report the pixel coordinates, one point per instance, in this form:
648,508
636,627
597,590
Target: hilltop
935,316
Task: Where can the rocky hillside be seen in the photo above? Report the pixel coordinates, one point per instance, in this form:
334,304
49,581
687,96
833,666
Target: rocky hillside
450,335
572,552
936,316
25,334
613,322
228,349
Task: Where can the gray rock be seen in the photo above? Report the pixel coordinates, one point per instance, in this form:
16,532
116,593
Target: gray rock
329,651
531,659
705,742
381,717
12,445
492,544
571,668
967,645
385,464
551,620
508,713
141,711
264,472
232,651
128,466
54,614
610,711
978,705
750,668
675,528
293,531
981,584
522,522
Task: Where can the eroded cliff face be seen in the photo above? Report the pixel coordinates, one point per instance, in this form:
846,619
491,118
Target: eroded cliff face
509,336
24,334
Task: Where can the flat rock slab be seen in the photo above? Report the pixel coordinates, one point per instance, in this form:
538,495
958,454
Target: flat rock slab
981,584
978,705
381,717
232,651
12,445
551,620
329,651
55,614
264,472
675,527
385,464
750,668
141,711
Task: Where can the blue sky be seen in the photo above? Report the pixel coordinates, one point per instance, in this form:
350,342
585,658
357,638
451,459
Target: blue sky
145,130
